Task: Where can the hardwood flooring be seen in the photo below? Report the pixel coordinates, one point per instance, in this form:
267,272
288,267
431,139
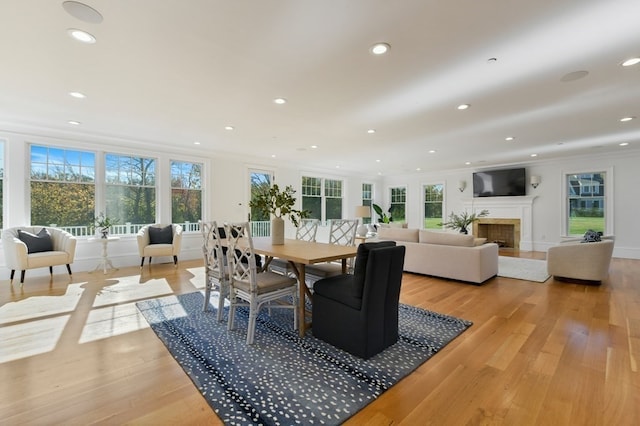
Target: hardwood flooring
75,351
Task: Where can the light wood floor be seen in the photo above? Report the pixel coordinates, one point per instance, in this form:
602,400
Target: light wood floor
75,352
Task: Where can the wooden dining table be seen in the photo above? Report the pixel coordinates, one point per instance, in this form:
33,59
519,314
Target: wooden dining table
299,254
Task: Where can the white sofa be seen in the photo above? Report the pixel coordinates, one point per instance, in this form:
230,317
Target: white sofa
18,257
582,261
445,254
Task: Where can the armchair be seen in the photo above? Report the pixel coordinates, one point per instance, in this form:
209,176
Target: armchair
582,261
159,240
58,249
359,313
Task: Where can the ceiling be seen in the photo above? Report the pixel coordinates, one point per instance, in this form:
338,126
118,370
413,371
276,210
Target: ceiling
176,72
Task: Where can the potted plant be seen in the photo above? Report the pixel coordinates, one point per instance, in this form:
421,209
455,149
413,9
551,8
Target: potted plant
104,224
382,216
463,220
278,203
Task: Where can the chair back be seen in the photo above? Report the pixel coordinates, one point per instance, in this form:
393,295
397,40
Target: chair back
343,232
214,258
307,230
240,255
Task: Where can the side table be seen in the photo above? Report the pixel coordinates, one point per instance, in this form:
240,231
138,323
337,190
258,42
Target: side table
105,263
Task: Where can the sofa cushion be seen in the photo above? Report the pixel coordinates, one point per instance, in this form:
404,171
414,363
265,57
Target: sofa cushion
446,238
36,243
398,234
361,264
158,235
479,241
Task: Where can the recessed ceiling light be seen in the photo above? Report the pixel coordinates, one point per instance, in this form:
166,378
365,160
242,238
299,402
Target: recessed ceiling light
432,151
74,123
463,106
467,163
418,169
82,36
280,101
82,12
623,119
337,167
371,131
534,155
228,127
509,138
573,76
377,161
380,48
631,61
379,173
273,156
196,143
624,143
77,95
314,146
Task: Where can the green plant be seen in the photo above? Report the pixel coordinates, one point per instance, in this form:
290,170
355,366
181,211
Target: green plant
462,220
103,221
272,201
382,215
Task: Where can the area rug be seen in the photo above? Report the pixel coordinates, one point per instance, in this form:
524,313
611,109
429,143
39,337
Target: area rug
282,378
523,269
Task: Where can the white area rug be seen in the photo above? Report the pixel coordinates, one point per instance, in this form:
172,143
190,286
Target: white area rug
523,269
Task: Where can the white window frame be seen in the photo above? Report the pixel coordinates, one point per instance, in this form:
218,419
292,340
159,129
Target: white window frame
608,198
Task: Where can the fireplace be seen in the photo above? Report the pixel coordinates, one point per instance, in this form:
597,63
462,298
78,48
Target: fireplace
502,231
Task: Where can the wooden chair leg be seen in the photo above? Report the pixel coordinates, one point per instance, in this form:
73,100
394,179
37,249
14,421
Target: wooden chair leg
13,272
69,268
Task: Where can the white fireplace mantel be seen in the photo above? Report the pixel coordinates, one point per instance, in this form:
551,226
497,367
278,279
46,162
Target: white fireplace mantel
508,208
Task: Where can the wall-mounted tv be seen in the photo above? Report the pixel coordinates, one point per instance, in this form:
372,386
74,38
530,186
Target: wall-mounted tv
499,183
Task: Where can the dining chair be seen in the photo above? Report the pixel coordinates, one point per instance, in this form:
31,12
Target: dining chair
215,266
253,289
306,231
342,232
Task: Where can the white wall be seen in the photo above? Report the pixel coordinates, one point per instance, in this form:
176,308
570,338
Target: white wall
547,206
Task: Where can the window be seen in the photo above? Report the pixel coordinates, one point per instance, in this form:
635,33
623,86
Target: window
586,203
322,198
186,194
63,188
130,193
398,204
433,199
367,194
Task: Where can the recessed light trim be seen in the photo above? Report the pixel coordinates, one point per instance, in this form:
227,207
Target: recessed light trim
509,138
380,48
74,122
624,143
81,36
229,127
280,101
77,95
534,155
432,151
625,119
196,143
314,146
371,131
467,163
631,61
82,12
463,106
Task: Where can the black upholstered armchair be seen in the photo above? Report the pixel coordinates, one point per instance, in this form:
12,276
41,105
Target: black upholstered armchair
359,313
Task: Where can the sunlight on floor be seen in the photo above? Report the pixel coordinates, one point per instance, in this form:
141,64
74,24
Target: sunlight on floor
31,338
41,306
112,321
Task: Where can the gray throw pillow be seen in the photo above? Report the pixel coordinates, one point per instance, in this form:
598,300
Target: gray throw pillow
36,243
161,235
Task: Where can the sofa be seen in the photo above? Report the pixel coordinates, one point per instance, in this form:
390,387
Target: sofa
581,261
445,254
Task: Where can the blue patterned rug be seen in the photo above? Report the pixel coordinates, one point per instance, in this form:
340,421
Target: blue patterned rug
283,379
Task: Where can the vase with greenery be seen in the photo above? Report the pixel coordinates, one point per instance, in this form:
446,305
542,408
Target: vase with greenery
463,220
382,216
104,224
278,203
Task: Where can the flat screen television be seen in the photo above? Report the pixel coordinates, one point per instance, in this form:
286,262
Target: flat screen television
499,183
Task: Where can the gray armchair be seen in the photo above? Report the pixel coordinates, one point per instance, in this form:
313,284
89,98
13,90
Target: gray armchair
29,247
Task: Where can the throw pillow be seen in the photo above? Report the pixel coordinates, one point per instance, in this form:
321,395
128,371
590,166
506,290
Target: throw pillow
36,243
591,236
159,235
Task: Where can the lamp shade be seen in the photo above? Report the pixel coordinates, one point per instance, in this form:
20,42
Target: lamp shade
363,211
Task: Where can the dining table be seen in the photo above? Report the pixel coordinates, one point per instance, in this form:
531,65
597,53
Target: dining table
300,253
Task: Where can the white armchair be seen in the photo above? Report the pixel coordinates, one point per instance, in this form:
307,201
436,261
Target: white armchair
582,261
18,257
159,240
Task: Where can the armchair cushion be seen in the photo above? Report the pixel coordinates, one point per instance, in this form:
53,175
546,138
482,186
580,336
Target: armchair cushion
36,243
159,235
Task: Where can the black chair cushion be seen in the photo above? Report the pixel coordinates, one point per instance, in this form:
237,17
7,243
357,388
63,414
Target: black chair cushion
159,235
339,288
36,243
223,235
360,267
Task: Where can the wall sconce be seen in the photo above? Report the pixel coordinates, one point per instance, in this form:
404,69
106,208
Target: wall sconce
535,181
462,185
